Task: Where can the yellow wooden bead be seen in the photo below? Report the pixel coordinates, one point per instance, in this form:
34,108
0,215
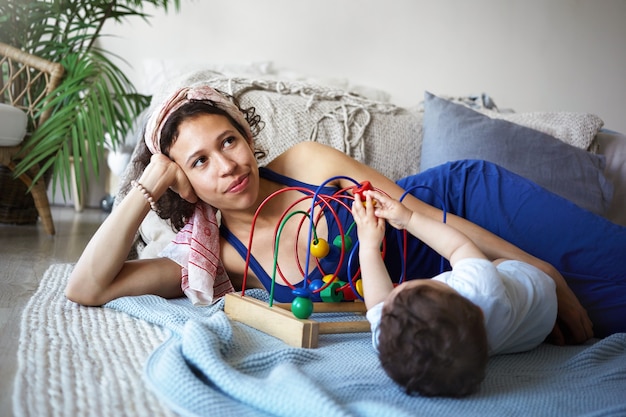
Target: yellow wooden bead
319,248
328,278
359,287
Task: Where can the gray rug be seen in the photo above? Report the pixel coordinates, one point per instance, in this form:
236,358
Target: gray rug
82,361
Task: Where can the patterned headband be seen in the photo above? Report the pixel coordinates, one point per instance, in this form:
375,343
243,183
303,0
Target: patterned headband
183,96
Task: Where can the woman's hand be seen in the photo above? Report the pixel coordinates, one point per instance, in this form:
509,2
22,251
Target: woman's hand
163,173
573,325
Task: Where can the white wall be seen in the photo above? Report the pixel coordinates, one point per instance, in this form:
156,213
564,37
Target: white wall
529,55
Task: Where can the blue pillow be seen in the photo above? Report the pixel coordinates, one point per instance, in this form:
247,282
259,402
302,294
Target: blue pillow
454,132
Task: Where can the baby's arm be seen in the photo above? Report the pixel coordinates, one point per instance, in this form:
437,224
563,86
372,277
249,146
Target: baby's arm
444,239
371,230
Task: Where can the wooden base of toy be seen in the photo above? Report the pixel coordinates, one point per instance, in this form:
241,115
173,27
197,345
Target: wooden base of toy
278,321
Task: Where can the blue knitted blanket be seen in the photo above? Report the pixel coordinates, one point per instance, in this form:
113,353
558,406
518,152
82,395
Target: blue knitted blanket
211,366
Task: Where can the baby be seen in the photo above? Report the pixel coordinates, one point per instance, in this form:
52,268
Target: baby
434,336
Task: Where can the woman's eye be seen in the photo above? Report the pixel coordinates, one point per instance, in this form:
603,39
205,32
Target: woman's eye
229,141
199,161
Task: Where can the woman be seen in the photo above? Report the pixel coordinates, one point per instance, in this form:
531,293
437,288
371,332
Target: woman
202,150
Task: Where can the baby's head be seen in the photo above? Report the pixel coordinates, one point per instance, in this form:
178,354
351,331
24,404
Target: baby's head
432,341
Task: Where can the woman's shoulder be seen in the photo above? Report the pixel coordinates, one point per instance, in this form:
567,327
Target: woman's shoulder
308,161
310,149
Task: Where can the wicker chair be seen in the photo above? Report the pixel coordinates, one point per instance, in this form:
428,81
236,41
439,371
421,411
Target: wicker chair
20,72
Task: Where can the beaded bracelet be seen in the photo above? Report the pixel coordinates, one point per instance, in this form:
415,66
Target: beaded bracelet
145,193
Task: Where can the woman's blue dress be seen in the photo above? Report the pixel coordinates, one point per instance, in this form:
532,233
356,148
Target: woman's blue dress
588,250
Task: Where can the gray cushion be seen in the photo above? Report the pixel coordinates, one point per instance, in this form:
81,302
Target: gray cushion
454,132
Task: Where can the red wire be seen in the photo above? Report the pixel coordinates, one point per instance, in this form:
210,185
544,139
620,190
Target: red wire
252,226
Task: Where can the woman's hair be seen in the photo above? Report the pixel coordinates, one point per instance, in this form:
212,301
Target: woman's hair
171,206
433,342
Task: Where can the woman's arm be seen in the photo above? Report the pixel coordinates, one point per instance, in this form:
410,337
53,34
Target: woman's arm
102,272
330,162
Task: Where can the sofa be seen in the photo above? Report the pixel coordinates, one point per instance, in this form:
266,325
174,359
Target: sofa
571,154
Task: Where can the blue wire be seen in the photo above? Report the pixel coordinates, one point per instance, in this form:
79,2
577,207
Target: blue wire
310,234
349,270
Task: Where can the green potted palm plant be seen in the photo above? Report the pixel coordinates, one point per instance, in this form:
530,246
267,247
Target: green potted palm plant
95,105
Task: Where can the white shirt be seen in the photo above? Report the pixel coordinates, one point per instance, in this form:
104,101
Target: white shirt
518,301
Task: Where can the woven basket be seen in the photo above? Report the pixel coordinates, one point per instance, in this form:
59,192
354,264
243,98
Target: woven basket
16,204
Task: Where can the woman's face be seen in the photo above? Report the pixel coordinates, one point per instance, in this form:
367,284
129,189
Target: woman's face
218,161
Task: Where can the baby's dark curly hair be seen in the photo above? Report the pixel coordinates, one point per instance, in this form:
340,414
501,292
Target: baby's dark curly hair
433,343
171,206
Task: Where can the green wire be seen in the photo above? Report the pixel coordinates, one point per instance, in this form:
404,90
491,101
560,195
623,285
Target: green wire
275,262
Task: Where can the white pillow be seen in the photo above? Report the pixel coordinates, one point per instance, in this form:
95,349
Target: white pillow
156,233
12,125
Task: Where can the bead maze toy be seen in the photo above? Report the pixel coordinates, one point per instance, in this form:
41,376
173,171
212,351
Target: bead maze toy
291,322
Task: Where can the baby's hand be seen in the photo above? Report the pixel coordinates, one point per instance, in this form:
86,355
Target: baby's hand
396,213
370,229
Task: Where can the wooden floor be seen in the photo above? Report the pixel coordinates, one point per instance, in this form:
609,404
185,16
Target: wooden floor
26,252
